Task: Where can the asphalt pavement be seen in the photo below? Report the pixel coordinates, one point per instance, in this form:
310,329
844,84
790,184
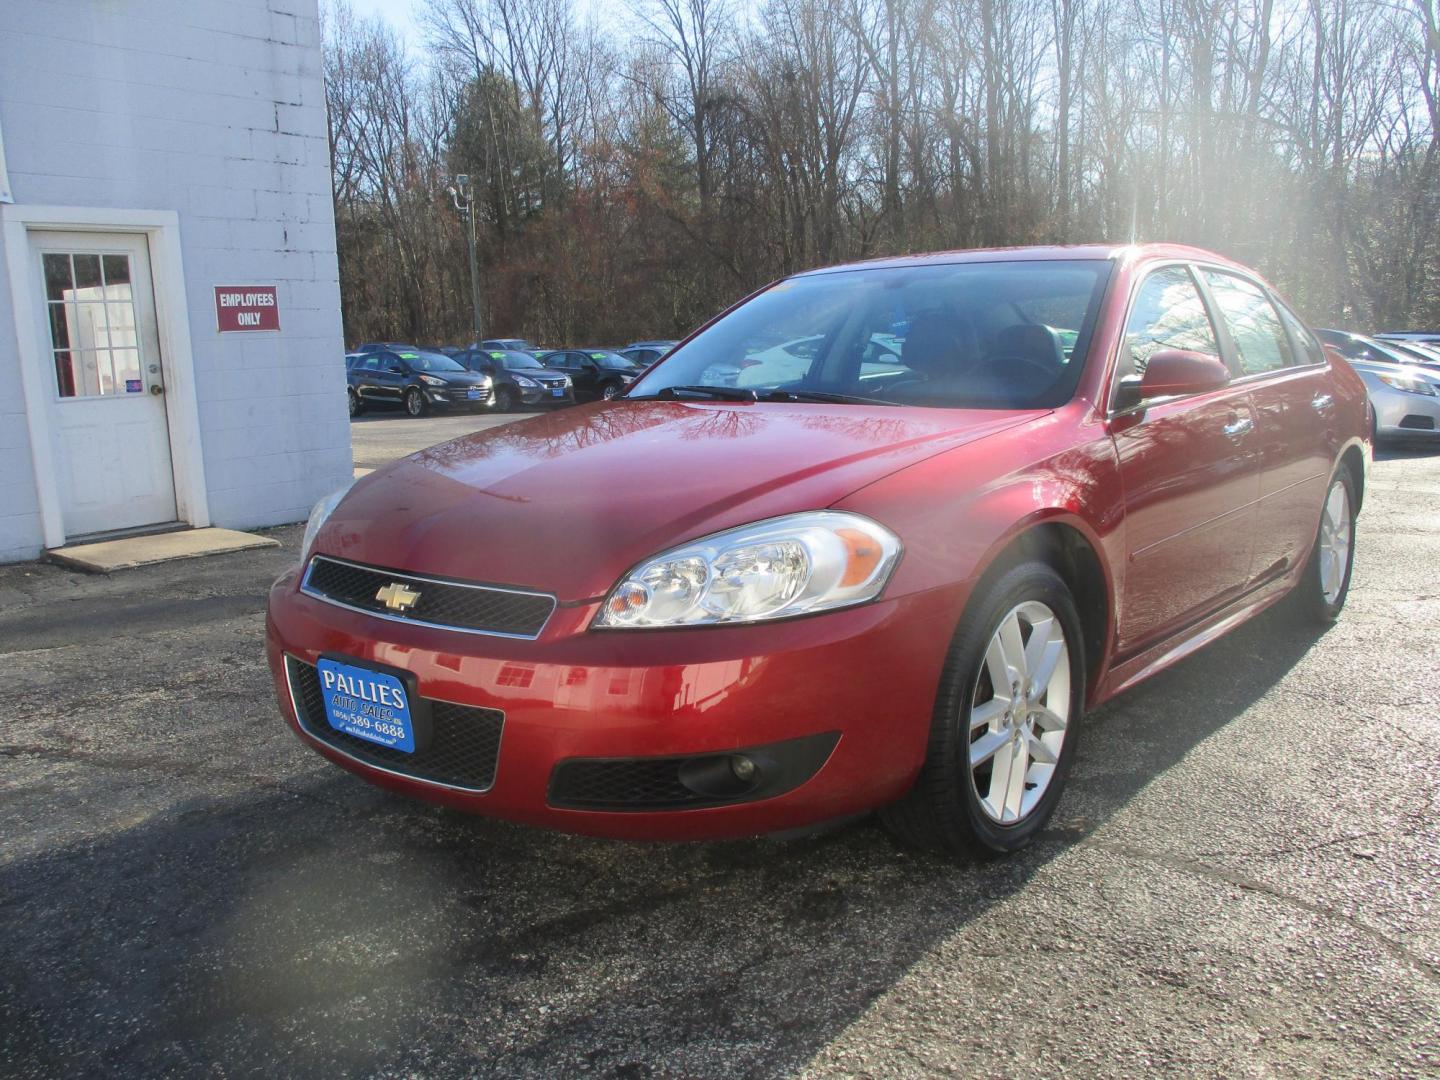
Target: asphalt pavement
1241,880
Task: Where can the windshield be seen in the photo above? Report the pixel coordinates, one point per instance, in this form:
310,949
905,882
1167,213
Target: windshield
428,361
973,335
511,359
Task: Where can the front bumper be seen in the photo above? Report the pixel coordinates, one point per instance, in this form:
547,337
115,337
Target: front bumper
460,399
1402,415
835,709
542,395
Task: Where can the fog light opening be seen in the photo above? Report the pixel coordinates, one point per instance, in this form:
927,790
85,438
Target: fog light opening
722,776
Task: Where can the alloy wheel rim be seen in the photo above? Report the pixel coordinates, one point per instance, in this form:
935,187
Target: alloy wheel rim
1335,540
1019,713
608,393
413,404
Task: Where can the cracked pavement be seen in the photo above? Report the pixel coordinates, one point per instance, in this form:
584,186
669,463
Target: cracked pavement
1243,878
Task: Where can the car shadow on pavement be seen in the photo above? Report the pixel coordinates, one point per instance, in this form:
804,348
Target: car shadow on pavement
312,924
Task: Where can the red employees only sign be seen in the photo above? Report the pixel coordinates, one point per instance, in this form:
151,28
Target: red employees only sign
246,307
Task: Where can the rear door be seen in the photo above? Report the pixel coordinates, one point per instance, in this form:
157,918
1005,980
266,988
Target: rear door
1295,417
1190,468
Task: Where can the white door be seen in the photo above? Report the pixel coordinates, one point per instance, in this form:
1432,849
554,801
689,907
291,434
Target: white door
106,381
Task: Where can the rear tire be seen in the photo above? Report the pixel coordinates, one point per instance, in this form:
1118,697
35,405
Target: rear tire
1325,581
415,403
965,800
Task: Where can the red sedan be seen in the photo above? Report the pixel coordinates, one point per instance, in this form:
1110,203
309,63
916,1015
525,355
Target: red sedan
874,538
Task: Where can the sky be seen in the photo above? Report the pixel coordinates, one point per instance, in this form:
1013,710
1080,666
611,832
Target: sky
399,13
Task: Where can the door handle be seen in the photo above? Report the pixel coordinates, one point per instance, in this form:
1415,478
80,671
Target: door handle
1322,403
1239,427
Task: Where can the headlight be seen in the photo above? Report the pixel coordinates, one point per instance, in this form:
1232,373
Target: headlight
319,513
431,380
566,379
1410,386
525,380
792,565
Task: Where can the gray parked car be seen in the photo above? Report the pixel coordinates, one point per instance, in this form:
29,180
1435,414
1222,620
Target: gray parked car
1404,395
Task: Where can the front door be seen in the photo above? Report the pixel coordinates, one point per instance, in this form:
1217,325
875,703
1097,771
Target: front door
105,381
1191,471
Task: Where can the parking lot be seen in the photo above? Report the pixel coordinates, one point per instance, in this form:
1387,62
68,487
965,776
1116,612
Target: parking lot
1241,880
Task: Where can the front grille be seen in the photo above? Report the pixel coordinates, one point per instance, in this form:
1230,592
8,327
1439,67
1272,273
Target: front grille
463,748
481,609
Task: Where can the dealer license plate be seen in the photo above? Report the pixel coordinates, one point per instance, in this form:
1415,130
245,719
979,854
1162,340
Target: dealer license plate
473,394
367,704
558,391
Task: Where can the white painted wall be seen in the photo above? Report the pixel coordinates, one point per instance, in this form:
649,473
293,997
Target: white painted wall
214,109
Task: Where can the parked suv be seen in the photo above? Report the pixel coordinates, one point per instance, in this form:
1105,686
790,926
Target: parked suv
415,381
518,378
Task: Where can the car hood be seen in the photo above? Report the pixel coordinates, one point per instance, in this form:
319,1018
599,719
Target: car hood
567,502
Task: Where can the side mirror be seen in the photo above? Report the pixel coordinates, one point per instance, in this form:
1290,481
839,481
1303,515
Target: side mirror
1173,372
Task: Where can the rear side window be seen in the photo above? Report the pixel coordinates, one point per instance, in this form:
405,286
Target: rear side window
1307,347
1168,313
1259,338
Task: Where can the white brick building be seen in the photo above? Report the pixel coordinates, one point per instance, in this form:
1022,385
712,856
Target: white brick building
152,151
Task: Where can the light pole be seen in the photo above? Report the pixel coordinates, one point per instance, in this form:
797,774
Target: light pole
463,198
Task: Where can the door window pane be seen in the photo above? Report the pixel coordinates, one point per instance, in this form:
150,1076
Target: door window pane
58,280
1168,314
93,326
125,364
87,272
1259,338
117,270
65,373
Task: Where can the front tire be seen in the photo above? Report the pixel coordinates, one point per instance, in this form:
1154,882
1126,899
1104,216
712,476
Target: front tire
357,403
609,391
504,399
1003,733
415,403
1325,581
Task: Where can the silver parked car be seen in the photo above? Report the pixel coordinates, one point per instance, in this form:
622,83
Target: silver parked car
1405,399
1404,394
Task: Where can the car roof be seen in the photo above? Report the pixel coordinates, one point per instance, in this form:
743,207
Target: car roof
1044,253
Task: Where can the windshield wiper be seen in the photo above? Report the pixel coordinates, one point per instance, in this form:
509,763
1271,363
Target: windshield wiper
823,397
720,393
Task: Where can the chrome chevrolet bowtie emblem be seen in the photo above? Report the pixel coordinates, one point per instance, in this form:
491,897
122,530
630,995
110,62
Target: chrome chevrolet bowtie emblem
397,597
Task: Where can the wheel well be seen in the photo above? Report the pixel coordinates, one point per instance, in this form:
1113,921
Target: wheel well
1066,550
1353,461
